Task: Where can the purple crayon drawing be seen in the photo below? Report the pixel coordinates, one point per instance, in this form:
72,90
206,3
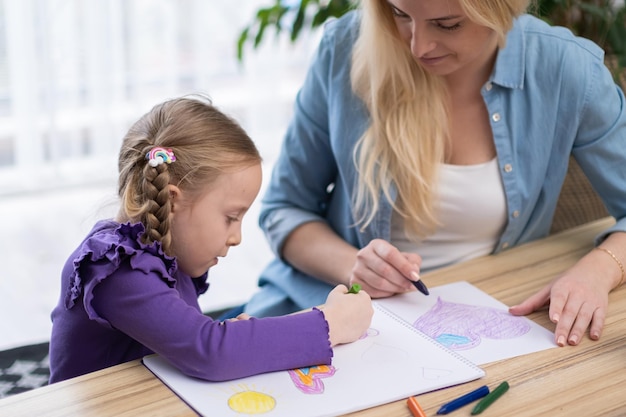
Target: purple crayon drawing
309,379
461,326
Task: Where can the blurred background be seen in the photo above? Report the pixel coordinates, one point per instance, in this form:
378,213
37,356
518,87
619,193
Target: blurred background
74,75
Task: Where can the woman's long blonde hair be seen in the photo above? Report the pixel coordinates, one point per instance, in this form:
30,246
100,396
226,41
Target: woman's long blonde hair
409,131
205,143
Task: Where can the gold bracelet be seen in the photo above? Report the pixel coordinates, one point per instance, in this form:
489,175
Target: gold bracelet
621,266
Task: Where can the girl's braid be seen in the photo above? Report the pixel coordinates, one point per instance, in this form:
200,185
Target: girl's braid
157,205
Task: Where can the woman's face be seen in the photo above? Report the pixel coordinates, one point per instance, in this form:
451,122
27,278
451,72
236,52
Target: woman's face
442,38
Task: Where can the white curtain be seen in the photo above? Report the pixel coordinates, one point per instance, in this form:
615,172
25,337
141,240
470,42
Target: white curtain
75,73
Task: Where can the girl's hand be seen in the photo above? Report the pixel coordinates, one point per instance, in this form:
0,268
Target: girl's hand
348,315
578,300
242,316
382,270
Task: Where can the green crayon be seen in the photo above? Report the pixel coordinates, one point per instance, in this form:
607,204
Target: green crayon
354,289
490,398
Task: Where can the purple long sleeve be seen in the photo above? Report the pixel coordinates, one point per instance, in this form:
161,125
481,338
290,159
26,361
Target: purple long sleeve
122,300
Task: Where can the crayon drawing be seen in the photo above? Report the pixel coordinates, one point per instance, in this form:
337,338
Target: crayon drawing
309,380
390,362
369,333
464,319
247,401
461,326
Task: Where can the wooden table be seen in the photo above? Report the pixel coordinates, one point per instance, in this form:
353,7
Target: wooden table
584,380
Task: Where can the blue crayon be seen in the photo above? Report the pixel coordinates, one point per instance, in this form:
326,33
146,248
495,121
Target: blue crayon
464,400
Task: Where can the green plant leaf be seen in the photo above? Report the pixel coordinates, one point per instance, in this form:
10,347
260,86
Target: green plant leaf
274,16
598,20
299,20
320,17
243,37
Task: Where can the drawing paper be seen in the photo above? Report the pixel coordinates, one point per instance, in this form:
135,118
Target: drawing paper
392,361
414,345
470,322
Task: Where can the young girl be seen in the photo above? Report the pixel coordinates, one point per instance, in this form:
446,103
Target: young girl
188,174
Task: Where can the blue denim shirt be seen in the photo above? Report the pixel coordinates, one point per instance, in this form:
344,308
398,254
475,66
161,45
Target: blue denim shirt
549,96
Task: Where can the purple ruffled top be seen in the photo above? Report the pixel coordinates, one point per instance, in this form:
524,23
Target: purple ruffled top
121,300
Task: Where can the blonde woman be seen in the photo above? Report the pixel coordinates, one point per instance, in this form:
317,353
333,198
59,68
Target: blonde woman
431,132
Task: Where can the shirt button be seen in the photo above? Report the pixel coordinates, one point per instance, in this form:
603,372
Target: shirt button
495,117
505,245
515,214
508,168
488,86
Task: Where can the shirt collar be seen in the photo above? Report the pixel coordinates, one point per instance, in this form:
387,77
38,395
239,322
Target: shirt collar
510,63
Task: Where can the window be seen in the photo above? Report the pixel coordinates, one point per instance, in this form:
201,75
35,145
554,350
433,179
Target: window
75,74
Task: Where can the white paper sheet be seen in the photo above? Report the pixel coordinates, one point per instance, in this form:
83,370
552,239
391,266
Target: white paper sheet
391,362
470,322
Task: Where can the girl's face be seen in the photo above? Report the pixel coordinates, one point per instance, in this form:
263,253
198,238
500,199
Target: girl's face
205,228
441,37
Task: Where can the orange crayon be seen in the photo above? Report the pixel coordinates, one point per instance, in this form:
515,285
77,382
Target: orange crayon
415,407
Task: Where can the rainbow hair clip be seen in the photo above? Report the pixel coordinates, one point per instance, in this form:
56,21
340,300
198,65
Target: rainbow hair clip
158,155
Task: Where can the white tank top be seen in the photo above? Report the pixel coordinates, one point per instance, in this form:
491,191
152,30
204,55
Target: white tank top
472,214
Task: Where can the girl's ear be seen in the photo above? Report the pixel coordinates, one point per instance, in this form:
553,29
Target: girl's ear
175,197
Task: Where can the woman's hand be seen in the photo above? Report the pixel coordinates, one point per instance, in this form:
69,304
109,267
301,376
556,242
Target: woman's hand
382,270
578,299
348,315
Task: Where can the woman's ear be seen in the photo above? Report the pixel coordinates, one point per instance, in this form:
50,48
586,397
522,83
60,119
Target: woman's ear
175,197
